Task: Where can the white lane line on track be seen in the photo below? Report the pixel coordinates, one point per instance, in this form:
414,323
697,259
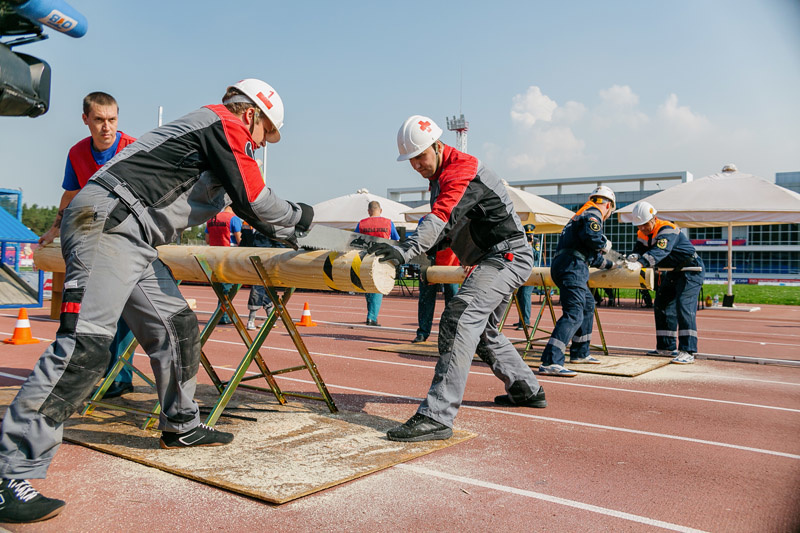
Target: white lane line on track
564,421
510,413
545,497
561,382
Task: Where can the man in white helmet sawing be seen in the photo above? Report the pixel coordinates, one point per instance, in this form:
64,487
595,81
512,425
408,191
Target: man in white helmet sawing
472,214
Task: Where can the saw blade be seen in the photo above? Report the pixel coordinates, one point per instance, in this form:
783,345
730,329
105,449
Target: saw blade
343,241
616,257
337,240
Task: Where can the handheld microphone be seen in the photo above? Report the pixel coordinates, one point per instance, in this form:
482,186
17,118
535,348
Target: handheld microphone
55,14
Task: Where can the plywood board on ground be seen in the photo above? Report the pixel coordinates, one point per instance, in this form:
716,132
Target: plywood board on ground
612,365
279,453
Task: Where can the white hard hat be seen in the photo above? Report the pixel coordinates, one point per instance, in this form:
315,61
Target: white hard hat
604,191
268,101
643,213
415,135
730,167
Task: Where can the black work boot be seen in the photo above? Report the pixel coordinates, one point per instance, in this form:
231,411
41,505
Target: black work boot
202,435
20,503
418,428
537,400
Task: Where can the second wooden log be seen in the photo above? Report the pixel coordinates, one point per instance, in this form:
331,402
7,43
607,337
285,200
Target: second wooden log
616,278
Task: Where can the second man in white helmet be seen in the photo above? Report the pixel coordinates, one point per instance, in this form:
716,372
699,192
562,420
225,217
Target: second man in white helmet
472,214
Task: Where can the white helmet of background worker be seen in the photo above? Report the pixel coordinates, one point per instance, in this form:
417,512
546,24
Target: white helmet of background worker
267,100
415,135
604,191
643,213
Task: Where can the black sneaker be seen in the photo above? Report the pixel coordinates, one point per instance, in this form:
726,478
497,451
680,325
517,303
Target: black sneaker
418,428
202,435
537,400
20,503
418,339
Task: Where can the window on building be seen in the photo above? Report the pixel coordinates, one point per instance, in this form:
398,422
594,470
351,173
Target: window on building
773,262
705,233
786,234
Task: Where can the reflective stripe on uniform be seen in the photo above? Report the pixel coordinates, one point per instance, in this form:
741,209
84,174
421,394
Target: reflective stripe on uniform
666,333
557,344
583,338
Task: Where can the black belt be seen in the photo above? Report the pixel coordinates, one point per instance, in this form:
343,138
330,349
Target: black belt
121,190
509,244
572,252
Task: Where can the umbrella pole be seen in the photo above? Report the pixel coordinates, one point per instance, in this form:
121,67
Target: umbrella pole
730,259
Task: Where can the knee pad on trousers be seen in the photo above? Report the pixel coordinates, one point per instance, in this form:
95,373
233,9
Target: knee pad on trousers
485,354
87,365
184,324
448,324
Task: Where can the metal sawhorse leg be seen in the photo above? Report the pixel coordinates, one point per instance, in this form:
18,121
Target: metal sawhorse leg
227,388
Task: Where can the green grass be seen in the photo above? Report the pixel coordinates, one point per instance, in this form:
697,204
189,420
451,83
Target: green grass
743,294
746,294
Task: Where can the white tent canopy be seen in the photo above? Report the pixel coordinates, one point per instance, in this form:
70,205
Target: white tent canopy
729,198
549,217
724,199
345,212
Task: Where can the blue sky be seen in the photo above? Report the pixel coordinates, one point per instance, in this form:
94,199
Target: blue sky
550,89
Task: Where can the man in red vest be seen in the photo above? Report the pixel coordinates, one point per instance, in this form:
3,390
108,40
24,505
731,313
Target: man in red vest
100,114
221,230
377,226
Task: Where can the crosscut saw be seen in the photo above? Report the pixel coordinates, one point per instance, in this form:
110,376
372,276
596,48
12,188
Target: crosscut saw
342,241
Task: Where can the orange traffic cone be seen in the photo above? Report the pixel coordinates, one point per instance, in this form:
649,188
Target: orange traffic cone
306,318
22,331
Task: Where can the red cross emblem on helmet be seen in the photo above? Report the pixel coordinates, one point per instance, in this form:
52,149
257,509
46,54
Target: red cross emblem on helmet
424,125
265,99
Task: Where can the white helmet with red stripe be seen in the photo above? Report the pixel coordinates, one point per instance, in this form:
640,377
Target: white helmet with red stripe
268,101
415,135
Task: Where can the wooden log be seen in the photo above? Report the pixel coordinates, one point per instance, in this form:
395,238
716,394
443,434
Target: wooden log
616,278
303,269
57,292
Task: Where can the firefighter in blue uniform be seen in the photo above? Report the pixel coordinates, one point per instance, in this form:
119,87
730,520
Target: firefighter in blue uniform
660,242
582,244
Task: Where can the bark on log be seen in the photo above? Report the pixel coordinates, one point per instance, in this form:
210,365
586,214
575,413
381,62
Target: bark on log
303,269
616,278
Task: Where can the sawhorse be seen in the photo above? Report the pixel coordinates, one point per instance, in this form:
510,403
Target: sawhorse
530,331
227,388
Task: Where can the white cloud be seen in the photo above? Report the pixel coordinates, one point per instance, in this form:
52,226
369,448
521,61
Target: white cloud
615,136
619,105
681,117
552,147
533,106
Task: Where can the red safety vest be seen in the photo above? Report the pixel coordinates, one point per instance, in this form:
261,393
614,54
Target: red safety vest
446,257
376,226
219,229
82,161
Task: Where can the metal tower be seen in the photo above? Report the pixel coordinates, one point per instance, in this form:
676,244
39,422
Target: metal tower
460,126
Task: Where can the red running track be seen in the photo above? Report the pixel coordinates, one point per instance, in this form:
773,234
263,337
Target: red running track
712,446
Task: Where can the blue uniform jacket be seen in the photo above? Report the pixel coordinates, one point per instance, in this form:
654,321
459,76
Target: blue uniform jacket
665,246
584,234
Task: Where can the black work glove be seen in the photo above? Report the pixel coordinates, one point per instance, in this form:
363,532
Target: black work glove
306,217
386,253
